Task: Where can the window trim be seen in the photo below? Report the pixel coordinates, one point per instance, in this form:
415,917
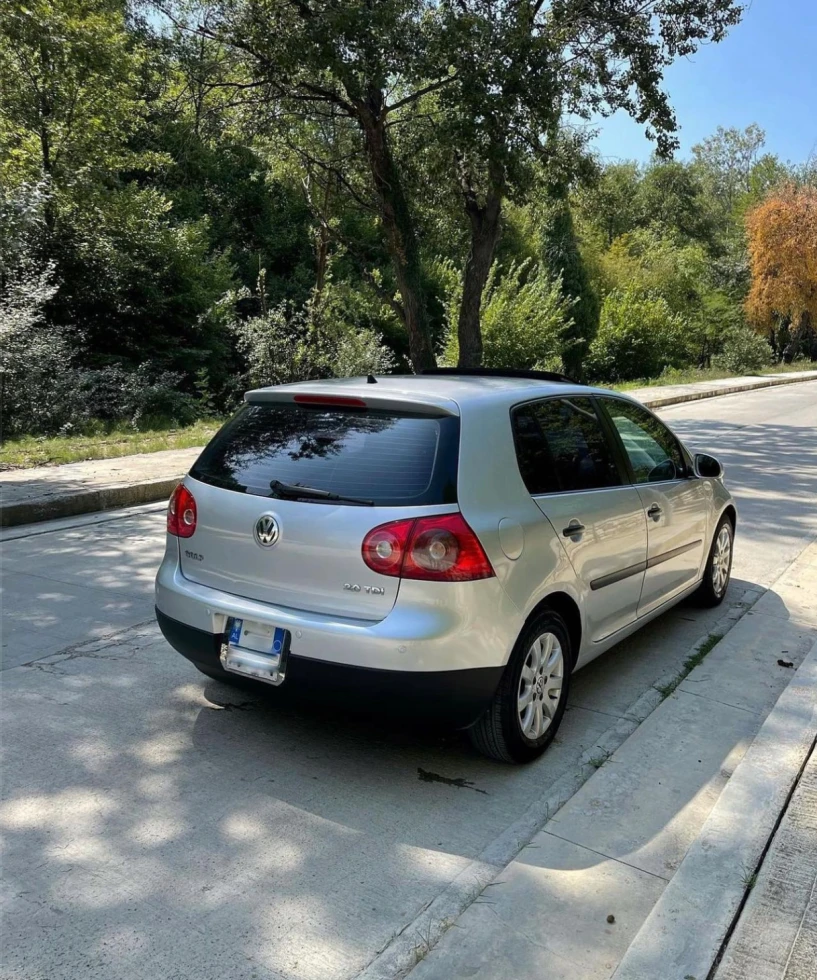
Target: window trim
622,449
623,471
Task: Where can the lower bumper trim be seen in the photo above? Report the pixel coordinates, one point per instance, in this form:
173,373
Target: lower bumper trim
455,698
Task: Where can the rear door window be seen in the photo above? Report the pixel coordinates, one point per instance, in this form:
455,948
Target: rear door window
561,447
391,458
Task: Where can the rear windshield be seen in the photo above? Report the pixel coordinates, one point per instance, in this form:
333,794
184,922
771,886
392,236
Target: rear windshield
390,458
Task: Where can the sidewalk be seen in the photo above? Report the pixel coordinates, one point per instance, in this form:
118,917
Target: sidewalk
641,874
45,493
659,396
776,935
49,492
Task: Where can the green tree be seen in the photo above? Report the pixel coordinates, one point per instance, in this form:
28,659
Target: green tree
562,257
494,77
607,205
726,161
69,88
526,320
638,337
670,196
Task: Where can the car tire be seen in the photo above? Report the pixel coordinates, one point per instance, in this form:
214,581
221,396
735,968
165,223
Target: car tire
510,733
718,569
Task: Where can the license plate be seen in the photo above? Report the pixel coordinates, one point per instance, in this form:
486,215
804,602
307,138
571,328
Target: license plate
255,650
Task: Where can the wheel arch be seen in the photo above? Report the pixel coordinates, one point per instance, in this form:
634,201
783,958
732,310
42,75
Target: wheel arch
566,607
731,512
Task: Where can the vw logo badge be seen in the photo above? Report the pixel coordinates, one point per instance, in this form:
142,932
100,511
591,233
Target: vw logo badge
267,531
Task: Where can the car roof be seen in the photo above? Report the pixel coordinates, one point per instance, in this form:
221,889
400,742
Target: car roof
442,391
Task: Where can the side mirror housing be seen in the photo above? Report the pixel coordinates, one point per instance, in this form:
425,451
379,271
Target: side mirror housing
707,466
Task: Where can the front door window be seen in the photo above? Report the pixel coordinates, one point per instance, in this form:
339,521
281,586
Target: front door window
653,451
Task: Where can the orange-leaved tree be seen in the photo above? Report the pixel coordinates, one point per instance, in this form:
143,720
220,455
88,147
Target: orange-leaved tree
782,240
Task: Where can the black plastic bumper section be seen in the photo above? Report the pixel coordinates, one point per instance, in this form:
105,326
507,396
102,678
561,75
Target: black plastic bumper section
452,697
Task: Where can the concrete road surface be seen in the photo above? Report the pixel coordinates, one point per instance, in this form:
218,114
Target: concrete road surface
157,824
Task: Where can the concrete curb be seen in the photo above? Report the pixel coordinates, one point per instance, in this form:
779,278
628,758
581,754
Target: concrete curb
695,396
775,933
686,929
86,502
107,498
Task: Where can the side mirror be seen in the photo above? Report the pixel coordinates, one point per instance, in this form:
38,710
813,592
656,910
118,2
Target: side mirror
707,466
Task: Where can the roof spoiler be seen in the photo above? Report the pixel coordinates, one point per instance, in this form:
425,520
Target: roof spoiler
501,373
360,399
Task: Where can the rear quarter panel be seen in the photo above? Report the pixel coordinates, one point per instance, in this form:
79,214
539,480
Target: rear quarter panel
490,491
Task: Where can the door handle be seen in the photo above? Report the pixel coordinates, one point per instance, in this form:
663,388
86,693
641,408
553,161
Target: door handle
654,512
574,527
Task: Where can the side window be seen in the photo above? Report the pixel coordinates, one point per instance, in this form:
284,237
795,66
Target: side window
654,452
532,453
561,446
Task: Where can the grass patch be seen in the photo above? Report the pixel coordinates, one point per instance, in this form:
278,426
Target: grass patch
690,664
598,760
107,444
749,880
698,657
666,689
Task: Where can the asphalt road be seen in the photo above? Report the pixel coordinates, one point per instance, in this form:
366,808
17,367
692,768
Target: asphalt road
157,824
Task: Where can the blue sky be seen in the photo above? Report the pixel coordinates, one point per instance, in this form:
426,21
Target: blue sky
765,71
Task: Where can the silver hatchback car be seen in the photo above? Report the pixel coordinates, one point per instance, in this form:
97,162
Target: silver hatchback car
453,543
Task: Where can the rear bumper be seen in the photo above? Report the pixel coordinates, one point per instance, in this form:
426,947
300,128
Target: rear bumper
456,626
453,697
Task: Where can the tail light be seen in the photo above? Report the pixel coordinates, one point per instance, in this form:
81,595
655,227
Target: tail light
440,549
181,513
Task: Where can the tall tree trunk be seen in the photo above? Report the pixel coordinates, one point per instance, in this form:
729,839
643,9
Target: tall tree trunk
45,142
401,238
486,223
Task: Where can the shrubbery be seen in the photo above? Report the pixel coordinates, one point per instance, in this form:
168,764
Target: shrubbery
638,337
743,352
283,345
524,320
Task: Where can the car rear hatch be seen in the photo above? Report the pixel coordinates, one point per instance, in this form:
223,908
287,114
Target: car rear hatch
262,531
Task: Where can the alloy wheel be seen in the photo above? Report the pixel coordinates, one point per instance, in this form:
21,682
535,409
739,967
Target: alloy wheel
722,559
540,686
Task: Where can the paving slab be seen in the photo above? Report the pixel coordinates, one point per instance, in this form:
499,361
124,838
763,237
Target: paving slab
768,651
524,925
83,583
662,835
646,805
684,932
776,935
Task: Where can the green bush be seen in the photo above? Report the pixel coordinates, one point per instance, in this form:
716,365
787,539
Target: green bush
743,352
44,393
524,320
638,337
282,345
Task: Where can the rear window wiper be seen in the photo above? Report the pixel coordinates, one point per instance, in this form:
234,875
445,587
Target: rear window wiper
294,491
